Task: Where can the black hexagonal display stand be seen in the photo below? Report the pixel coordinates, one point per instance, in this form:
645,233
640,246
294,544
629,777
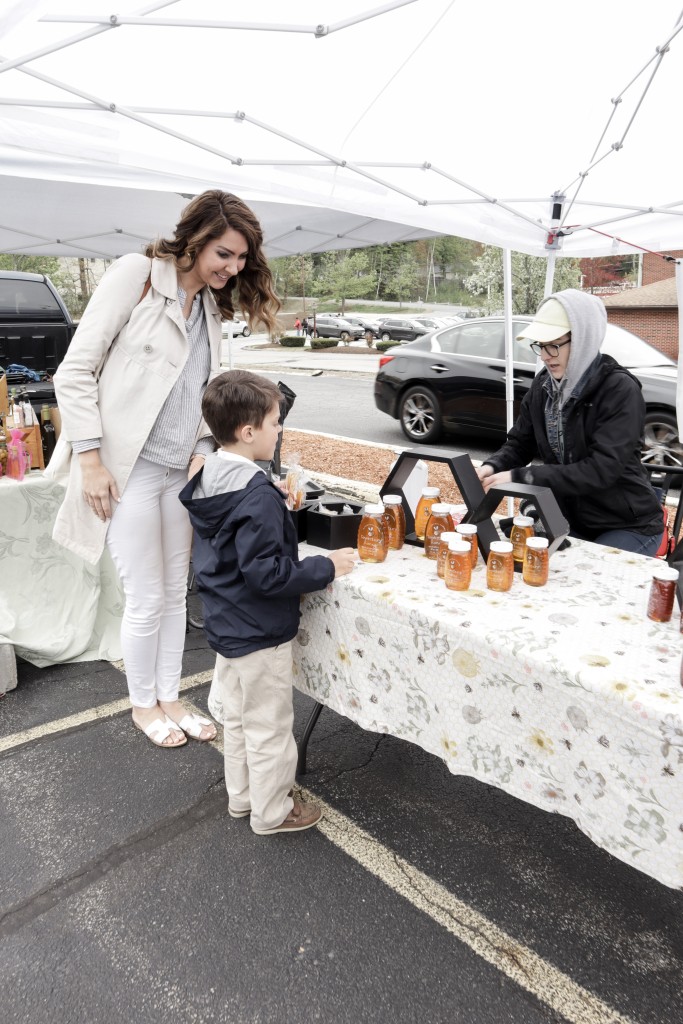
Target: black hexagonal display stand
555,526
480,505
466,480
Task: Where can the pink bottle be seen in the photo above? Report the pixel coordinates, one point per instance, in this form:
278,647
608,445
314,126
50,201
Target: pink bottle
16,456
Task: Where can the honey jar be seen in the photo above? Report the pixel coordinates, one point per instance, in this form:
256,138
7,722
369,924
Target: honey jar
372,536
444,540
428,498
468,532
535,565
440,521
522,528
500,566
458,570
396,517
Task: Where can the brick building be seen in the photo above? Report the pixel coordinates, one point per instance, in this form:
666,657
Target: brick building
650,311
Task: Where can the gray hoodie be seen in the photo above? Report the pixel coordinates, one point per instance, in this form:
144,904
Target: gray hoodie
588,318
225,473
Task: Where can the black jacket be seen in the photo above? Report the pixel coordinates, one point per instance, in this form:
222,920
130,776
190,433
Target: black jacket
246,562
602,484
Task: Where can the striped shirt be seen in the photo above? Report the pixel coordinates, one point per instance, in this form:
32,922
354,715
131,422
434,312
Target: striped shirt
171,441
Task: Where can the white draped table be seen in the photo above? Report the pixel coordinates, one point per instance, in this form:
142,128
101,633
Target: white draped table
566,696
54,607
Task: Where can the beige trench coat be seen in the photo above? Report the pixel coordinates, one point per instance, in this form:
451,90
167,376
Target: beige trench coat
118,371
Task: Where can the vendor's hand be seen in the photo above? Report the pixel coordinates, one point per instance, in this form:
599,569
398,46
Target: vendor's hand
196,463
483,471
99,486
344,560
496,479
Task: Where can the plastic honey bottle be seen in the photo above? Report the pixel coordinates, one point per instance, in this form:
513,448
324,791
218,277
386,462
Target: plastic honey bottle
440,521
458,565
535,566
393,510
372,535
500,566
468,532
442,554
428,498
522,528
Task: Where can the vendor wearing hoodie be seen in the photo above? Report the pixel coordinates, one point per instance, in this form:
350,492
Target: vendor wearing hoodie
583,418
250,578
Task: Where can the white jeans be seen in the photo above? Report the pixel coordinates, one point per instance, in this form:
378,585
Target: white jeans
149,539
259,748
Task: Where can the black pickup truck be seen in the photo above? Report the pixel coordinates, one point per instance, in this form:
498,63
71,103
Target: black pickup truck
35,331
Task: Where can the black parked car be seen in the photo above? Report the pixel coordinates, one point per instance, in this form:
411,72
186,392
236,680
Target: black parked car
456,378
330,326
394,328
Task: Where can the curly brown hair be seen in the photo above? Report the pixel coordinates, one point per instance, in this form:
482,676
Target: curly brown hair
209,216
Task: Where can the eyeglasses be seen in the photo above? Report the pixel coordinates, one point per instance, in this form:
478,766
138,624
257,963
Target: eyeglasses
550,349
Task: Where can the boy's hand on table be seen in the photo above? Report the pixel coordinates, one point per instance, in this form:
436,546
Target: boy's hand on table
344,560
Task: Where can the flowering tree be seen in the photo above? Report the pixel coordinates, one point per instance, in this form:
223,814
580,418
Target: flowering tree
528,279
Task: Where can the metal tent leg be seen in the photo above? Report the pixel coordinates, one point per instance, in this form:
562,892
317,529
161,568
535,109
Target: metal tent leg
310,726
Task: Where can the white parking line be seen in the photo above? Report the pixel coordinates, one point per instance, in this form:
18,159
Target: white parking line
526,968
91,715
519,963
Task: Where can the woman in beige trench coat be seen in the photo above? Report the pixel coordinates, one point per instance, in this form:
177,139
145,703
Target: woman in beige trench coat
129,392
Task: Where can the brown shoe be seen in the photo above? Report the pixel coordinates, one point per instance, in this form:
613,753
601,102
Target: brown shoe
300,817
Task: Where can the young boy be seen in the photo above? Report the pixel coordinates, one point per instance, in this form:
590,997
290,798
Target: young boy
246,562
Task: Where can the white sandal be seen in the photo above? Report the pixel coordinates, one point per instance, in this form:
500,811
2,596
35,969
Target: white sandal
193,724
159,730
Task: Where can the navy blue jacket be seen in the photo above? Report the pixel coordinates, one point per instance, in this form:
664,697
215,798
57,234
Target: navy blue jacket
246,562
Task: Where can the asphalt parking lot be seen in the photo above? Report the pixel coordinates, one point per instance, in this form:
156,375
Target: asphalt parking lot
129,894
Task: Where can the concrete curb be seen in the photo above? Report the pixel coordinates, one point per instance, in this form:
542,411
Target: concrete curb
353,489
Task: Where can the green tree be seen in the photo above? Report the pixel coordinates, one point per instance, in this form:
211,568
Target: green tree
454,257
75,279
48,265
403,273
292,275
528,279
345,275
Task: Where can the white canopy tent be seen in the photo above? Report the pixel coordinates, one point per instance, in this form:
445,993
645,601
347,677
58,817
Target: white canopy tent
413,119
429,117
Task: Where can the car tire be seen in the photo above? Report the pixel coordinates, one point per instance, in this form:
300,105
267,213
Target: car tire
386,336
661,443
344,335
315,334
420,415
246,332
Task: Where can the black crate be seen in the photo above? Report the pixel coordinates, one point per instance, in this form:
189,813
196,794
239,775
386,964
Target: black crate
300,519
331,532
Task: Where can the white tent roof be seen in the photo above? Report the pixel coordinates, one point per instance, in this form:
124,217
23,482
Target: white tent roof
430,117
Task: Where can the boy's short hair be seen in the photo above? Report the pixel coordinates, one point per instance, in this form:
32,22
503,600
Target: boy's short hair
236,399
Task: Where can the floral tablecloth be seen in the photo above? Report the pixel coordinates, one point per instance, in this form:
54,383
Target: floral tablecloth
566,696
54,607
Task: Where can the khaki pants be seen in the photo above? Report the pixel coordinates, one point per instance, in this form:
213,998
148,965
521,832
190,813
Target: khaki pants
260,752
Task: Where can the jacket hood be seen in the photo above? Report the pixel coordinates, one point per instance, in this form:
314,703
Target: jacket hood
213,495
588,318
